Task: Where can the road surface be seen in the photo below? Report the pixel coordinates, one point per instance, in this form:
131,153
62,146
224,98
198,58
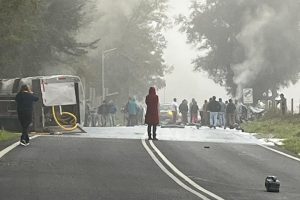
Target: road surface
117,163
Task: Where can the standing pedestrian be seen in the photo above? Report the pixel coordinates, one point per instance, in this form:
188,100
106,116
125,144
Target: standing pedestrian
103,112
140,114
112,110
194,111
205,120
222,118
184,109
152,117
190,107
214,108
174,110
282,103
230,112
226,116
24,100
132,112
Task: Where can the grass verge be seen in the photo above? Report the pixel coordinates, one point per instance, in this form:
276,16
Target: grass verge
7,136
281,127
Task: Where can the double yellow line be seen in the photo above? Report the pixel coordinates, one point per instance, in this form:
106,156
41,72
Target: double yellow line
175,174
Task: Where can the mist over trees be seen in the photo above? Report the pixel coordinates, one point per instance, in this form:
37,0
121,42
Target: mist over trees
247,43
45,37
35,35
134,28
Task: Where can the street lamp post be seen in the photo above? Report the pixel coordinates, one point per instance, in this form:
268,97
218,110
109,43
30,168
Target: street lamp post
102,75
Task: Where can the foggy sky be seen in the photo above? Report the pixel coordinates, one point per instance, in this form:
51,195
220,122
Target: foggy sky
184,83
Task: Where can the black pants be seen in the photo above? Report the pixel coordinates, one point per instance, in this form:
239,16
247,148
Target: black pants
25,119
149,130
132,120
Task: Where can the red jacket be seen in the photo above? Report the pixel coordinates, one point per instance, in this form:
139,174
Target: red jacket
152,102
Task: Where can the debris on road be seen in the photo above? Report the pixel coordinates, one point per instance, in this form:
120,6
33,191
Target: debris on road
272,184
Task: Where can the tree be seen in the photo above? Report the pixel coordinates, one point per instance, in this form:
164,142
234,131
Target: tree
39,34
247,43
136,32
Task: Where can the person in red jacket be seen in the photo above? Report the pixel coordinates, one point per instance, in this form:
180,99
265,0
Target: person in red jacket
152,117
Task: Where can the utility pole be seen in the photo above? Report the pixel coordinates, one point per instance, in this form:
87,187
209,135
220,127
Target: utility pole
102,70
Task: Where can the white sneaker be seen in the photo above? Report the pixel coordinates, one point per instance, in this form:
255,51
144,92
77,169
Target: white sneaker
23,143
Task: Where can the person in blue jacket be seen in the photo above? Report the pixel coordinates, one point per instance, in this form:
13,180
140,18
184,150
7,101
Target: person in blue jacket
132,109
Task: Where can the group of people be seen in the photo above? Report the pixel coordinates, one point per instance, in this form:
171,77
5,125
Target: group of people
218,113
107,113
133,112
213,113
184,109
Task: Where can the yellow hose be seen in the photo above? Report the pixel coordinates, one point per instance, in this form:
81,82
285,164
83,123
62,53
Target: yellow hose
65,113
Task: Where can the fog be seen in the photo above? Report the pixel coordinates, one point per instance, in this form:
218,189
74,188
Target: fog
145,59
184,82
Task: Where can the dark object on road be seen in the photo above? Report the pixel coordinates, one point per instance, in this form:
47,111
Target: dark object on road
272,184
206,147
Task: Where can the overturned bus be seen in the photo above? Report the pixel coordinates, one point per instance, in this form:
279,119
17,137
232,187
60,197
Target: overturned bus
61,102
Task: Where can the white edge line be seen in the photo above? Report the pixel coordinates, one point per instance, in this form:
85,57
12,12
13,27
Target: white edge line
171,175
281,153
11,147
187,179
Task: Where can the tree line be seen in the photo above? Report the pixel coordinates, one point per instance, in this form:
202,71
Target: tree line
246,43
44,37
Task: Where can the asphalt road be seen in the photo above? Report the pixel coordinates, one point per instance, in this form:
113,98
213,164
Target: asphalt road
234,171
77,168
96,168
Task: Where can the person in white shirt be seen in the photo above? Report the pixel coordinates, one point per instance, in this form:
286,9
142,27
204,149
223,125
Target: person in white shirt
174,110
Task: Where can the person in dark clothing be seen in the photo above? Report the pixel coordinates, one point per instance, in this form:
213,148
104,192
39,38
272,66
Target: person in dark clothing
152,117
103,111
282,103
24,100
205,118
184,109
214,108
230,113
112,110
194,111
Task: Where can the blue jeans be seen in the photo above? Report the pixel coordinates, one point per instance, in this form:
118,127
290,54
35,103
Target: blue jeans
222,119
213,119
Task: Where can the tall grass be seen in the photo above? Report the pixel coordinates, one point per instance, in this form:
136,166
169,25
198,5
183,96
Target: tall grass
273,124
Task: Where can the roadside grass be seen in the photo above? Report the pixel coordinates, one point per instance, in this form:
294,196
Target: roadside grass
7,136
272,125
